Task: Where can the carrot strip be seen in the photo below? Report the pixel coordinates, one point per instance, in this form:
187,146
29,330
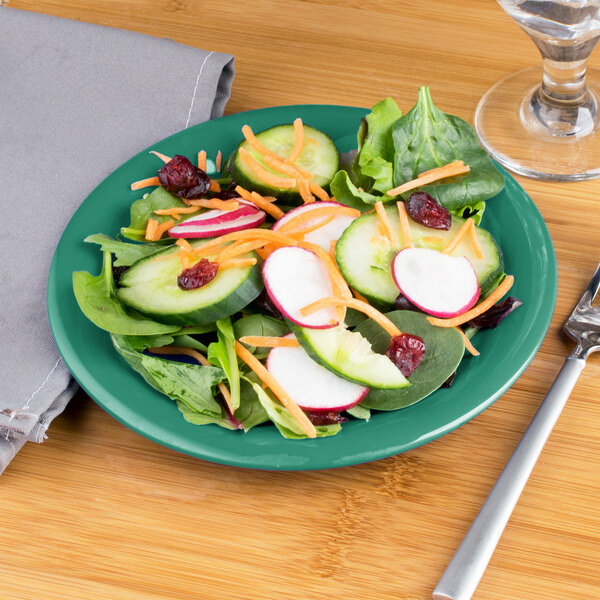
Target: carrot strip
262,253
359,305
215,186
477,310
238,248
256,145
276,388
334,273
432,239
176,211
162,228
277,164
142,183
260,202
389,232
234,263
315,213
265,235
151,227
269,341
359,296
184,245
201,359
457,167
404,225
302,232
214,203
305,191
202,160
218,161
162,157
299,131
468,345
318,191
332,245
475,241
263,174
452,245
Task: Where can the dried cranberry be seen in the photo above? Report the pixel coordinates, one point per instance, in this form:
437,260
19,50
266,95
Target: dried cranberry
226,194
180,177
198,275
406,351
427,211
263,300
118,273
325,418
403,303
448,383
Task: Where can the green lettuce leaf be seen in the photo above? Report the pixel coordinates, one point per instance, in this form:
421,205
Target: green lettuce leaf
125,254
347,193
426,138
222,354
359,412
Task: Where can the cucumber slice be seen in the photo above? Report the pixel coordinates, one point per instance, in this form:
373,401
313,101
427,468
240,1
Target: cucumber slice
322,159
365,258
350,355
150,287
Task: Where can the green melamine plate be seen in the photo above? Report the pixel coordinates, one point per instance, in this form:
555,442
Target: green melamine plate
505,352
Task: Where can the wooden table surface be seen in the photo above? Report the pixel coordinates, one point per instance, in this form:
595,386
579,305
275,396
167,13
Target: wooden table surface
100,512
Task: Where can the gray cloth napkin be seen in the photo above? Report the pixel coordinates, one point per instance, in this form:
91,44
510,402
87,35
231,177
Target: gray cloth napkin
76,101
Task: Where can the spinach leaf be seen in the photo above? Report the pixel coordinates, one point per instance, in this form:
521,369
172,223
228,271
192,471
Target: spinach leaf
426,138
287,425
222,353
345,192
444,349
374,164
359,412
143,209
141,342
98,302
125,254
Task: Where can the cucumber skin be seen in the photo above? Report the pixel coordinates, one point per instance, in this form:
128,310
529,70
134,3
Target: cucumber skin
310,350
247,291
386,303
287,196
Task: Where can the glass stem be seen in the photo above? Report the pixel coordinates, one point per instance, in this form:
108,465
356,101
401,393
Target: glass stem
563,83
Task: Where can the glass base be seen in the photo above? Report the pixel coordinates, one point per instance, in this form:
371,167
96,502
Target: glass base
535,151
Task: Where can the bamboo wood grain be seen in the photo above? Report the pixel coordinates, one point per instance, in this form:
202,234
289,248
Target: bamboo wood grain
99,512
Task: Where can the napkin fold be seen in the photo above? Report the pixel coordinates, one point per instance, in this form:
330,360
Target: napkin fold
76,101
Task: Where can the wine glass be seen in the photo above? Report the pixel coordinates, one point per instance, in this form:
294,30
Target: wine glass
546,124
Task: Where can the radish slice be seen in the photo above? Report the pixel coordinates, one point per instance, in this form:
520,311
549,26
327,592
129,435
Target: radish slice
322,236
295,277
214,216
439,284
202,229
310,385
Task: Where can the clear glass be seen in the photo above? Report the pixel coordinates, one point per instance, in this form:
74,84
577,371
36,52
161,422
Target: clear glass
544,123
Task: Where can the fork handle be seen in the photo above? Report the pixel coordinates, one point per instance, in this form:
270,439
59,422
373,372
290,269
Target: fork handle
470,561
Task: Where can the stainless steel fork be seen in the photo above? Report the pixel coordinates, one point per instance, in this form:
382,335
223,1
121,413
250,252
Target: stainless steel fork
470,561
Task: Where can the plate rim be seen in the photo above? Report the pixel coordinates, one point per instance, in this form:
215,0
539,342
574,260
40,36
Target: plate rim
126,416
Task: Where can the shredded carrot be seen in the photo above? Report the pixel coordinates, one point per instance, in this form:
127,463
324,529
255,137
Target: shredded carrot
332,245
359,296
201,359
468,345
260,202
218,161
475,240
262,253
151,227
162,228
318,191
277,164
315,213
312,141
270,341
306,230
214,203
238,248
184,244
389,232
477,310
202,160
176,211
263,174
162,157
256,145
457,167
305,191
404,225
215,186
299,131
142,183
236,263
276,388
334,273
359,305
452,245
432,239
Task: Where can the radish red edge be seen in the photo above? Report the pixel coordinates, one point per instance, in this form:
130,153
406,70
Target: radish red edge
203,230
312,387
294,278
440,285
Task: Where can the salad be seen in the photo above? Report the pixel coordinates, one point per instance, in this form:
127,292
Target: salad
293,285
